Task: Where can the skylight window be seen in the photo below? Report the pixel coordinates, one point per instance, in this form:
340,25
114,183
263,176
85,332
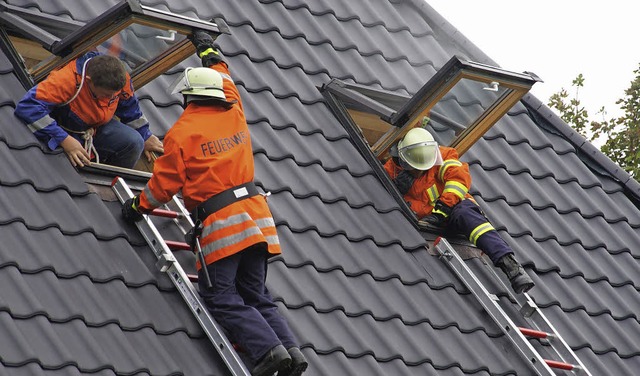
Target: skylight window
463,100
149,41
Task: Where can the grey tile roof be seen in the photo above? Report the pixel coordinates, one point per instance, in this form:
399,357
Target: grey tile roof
80,293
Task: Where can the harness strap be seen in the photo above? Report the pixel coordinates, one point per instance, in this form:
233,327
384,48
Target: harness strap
223,199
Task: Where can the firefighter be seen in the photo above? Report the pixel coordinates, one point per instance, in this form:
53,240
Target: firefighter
74,108
436,185
208,156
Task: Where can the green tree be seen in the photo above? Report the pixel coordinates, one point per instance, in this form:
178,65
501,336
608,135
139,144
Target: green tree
621,134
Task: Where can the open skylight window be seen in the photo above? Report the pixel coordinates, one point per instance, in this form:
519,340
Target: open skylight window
148,40
463,100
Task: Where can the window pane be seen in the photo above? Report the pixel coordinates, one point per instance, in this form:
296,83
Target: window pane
463,105
137,44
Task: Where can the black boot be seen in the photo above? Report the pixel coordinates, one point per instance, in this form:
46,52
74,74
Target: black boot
520,280
298,363
276,359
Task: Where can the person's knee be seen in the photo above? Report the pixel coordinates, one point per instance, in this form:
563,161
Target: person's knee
137,145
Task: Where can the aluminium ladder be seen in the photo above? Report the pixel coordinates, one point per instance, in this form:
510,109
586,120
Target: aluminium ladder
541,326
167,263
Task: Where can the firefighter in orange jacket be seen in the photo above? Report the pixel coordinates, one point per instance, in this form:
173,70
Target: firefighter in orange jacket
436,185
208,156
76,104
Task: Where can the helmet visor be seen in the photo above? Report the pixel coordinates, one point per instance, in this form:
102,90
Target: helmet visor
179,84
421,156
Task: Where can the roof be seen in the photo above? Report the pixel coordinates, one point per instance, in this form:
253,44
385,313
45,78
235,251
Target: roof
79,293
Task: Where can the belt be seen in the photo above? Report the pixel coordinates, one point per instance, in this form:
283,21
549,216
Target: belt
223,199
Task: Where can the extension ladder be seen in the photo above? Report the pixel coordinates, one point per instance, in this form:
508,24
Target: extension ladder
541,327
168,264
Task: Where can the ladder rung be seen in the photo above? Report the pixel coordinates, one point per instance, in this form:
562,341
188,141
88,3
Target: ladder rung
177,246
193,277
166,213
535,333
560,365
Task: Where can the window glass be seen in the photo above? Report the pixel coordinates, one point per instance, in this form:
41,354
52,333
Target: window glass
137,44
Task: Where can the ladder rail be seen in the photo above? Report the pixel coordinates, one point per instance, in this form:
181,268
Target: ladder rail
537,320
489,303
168,264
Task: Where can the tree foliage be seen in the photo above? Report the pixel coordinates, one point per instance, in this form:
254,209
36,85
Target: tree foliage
621,134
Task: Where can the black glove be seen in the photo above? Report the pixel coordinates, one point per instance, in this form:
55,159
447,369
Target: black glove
205,48
130,211
439,215
404,181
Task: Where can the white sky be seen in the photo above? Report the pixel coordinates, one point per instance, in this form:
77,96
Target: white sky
557,40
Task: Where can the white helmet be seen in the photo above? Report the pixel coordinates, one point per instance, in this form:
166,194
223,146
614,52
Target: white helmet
418,149
201,81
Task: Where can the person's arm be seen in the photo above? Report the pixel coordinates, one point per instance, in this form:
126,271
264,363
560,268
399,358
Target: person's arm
35,113
130,113
456,178
35,108
169,175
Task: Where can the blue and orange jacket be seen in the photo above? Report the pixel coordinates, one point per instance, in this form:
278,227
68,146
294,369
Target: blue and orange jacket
207,151
46,112
448,182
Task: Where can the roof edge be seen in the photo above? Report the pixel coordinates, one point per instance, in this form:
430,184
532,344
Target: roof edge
585,148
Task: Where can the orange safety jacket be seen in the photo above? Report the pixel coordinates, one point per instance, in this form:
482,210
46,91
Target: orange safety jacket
207,151
448,182
51,111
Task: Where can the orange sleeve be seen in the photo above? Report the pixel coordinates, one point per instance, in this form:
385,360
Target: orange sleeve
231,92
455,175
169,175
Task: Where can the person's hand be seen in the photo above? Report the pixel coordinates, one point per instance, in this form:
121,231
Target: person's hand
130,211
201,41
205,49
439,215
151,145
75,152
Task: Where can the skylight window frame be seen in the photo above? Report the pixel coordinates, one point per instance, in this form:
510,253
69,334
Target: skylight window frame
455,70
411,114
97,31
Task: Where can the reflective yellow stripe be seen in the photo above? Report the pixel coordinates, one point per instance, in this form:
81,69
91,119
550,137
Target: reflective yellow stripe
208,51
456,188
446,164
433,194
479,231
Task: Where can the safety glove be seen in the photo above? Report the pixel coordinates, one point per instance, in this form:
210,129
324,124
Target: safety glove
439,215
403,181
205,48
130,210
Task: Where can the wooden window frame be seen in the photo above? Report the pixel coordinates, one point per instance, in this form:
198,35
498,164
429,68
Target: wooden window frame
351,103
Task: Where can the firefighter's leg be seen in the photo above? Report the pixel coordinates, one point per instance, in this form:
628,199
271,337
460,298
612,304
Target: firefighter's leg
468,219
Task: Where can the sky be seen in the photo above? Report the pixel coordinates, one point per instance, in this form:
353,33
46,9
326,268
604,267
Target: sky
557,40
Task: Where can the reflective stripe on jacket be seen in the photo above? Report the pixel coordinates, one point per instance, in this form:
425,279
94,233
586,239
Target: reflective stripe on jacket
44,111
207,151
448,182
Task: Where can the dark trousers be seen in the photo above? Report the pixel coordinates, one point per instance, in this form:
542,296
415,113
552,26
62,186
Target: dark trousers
240,302
466,217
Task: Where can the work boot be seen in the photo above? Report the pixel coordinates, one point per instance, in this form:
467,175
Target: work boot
298,363
275,360
520,280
